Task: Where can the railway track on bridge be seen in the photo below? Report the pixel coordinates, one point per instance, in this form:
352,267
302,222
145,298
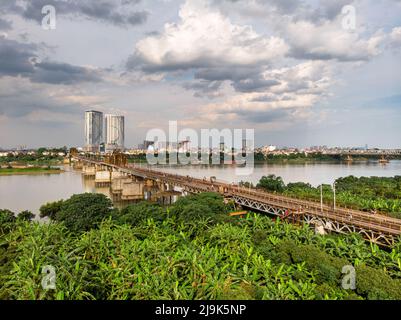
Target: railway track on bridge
376,228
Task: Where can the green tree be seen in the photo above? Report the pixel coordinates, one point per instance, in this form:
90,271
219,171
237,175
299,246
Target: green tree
25,215
298,186
41,150
271,183
200,206
7,221
85,211
138,213
51,209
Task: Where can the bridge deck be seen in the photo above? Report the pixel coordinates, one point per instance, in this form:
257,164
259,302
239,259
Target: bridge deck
372,222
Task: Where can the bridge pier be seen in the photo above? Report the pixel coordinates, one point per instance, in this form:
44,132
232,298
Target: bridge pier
102,178
88,171
77,165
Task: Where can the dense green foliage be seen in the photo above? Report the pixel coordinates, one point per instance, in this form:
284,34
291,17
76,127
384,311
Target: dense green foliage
26,215
83,212
271,183
190,250
7,221
51,209
380,194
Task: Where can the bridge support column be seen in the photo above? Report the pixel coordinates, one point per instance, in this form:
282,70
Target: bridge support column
102,178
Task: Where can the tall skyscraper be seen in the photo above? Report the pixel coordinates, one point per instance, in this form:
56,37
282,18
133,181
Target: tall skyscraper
114,130
93,130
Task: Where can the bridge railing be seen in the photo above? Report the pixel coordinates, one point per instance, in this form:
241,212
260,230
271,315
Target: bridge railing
343,215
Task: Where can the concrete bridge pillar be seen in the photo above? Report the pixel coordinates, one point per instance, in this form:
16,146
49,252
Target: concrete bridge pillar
102,178
77,165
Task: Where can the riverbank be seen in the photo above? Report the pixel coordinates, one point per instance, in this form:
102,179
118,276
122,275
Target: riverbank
29,171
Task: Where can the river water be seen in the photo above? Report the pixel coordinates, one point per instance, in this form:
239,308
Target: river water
29,192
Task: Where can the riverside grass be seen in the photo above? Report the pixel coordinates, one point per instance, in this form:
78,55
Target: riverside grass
29,171
170,258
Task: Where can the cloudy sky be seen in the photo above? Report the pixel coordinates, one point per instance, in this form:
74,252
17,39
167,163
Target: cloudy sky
295,71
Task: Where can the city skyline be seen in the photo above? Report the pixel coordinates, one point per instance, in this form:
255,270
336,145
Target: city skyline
289,70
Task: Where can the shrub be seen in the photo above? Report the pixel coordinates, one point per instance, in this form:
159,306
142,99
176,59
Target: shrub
271,183
375,284
7,221
51,209
136,214
83,212
193,208
25,215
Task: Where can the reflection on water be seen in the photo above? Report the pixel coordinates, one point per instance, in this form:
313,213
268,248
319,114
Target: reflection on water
29,192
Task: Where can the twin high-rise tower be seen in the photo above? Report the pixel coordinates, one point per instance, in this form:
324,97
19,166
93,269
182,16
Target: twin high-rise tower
112,126
93,130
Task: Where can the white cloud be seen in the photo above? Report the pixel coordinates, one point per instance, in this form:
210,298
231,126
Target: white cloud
300,87
204,37
329,40
395,37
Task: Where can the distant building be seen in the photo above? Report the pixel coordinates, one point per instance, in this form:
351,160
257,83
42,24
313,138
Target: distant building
93,130
114,132
267,149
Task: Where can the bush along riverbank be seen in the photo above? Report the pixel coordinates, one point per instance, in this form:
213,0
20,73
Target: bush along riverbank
190,250
29,170
370,194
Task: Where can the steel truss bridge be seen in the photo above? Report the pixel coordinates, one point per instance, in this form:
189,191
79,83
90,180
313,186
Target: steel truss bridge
376,228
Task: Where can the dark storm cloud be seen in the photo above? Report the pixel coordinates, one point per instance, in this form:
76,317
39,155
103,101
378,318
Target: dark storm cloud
211,76
298,9
272,98
5,24
303,53
29,100
242,79
62,73
21,59
117,12
170,64
282,6
329,9
16,58
233,73
204,88
254,84
267,116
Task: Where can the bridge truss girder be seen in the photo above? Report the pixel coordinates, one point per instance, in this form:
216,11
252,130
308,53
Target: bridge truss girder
260,206
344,228
328,224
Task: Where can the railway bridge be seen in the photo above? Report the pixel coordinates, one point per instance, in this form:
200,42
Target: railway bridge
376,228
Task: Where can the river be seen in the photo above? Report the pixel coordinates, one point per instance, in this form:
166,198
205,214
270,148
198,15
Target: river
29,192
